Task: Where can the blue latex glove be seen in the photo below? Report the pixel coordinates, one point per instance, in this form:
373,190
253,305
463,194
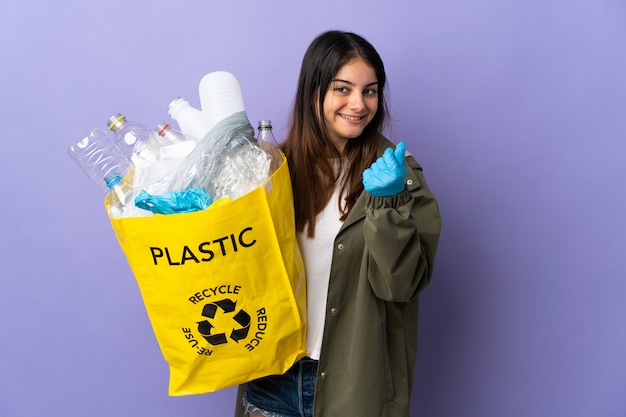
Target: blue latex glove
386,175
193,199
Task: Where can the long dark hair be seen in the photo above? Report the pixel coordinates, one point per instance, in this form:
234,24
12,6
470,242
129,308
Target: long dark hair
308,145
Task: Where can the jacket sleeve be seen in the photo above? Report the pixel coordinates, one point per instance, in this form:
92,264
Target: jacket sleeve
401,234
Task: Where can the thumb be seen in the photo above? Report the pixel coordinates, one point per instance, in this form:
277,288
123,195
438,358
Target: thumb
399,152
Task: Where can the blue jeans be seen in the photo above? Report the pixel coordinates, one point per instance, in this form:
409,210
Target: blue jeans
287,395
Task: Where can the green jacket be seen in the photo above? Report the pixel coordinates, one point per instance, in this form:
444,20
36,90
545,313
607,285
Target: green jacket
383,257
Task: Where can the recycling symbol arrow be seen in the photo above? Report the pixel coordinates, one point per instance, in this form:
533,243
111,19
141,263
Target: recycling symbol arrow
241,320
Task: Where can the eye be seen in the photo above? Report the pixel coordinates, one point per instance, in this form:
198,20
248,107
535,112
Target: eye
341,89
370,92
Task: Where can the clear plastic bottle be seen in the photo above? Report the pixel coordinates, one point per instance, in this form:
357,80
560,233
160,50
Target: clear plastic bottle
169,134
190,120
120,194
98,156
133,139
177,144
267,142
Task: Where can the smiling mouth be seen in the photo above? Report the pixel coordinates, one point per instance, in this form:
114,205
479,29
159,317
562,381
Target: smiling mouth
353,118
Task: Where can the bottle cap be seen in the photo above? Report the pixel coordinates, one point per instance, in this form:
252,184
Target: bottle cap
265,124
112,179
116,121
161,128
220,97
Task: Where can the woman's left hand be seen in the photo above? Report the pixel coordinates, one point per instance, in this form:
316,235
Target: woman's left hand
385,177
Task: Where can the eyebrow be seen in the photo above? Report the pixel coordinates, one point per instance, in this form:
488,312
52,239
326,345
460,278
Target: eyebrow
351,83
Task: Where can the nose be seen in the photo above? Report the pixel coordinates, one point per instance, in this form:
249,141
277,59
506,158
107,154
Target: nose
356,101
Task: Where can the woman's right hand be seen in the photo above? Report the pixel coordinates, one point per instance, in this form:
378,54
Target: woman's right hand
385,177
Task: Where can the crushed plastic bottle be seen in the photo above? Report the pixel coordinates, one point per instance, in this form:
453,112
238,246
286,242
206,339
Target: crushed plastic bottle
177,144
98,156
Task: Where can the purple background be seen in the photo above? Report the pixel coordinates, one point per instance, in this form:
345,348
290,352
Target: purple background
515,108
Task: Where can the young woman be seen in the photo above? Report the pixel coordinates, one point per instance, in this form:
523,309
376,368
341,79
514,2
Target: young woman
368,231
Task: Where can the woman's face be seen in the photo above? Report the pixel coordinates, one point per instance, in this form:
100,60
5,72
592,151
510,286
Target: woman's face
351,101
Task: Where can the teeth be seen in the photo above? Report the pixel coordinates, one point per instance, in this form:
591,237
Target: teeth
351,117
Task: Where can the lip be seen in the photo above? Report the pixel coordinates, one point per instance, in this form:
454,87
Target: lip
351,118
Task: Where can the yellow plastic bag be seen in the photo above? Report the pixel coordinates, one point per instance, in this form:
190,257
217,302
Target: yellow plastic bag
224,287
